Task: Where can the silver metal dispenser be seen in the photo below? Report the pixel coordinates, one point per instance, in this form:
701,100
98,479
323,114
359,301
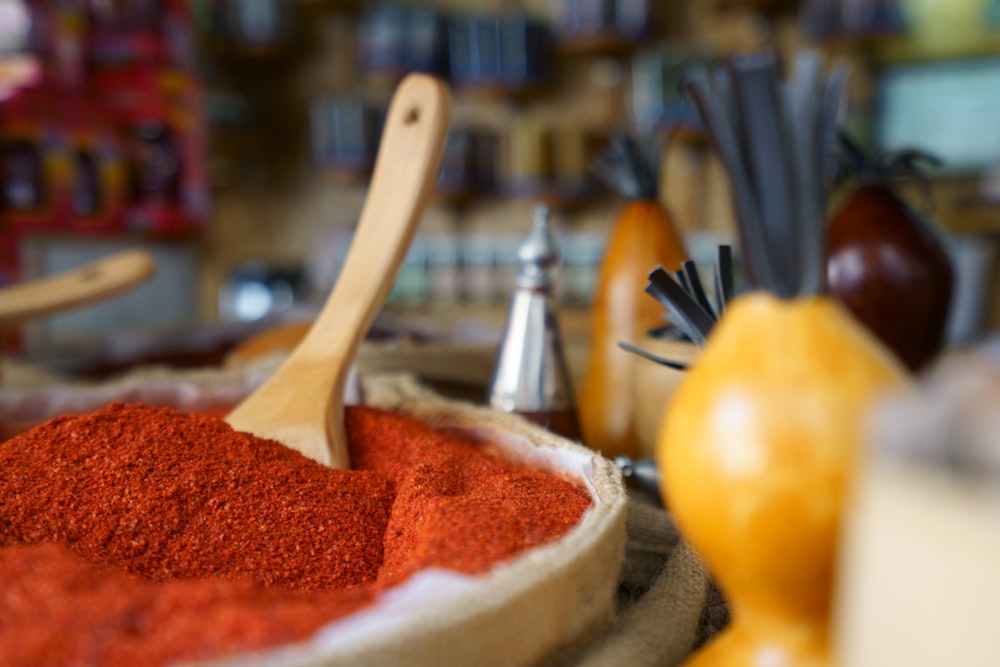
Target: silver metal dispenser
531,377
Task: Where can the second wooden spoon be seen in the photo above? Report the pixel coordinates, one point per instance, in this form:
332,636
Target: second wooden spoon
301,405
97,281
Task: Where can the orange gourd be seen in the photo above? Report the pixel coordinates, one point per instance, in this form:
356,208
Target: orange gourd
765,433
643,238
757,454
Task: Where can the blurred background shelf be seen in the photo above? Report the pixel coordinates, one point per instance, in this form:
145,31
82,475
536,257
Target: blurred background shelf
291,96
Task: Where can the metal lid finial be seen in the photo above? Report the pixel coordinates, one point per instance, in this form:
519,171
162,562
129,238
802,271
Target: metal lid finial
538,253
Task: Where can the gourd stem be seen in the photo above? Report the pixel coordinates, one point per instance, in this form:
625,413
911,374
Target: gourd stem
769,166
685,300
724,280
777,150
880,165
628,169
669,363
684,311
803,98
722,130
696,289
824,133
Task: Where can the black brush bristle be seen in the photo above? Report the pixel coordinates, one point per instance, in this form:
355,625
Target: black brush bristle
775,141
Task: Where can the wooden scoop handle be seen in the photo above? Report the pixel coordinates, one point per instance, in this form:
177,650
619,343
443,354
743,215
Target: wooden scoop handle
301,404
95,281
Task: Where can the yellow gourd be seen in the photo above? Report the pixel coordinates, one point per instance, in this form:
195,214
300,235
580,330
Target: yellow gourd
643,238
761,440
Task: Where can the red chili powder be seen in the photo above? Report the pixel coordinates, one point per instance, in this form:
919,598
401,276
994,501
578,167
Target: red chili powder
139,535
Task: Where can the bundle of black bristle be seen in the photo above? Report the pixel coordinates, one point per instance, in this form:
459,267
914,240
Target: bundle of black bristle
688,305
775,139
630,168
880,163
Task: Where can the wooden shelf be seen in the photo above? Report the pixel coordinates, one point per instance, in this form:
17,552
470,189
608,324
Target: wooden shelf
976,215
606,43
769,7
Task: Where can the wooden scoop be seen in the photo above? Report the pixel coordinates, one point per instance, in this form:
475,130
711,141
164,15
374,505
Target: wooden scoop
301,404
95,281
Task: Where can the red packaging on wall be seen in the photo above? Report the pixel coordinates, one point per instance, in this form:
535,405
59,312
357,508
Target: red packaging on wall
10,258
20,35
34,165
57,41
154,33
97,187
160,116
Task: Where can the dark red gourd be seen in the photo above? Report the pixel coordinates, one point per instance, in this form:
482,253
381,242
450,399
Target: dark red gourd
888,263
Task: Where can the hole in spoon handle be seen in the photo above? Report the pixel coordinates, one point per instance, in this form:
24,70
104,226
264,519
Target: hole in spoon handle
412,116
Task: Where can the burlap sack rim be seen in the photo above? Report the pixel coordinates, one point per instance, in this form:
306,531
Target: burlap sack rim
521,612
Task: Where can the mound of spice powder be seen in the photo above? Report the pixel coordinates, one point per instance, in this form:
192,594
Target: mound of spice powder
139,535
